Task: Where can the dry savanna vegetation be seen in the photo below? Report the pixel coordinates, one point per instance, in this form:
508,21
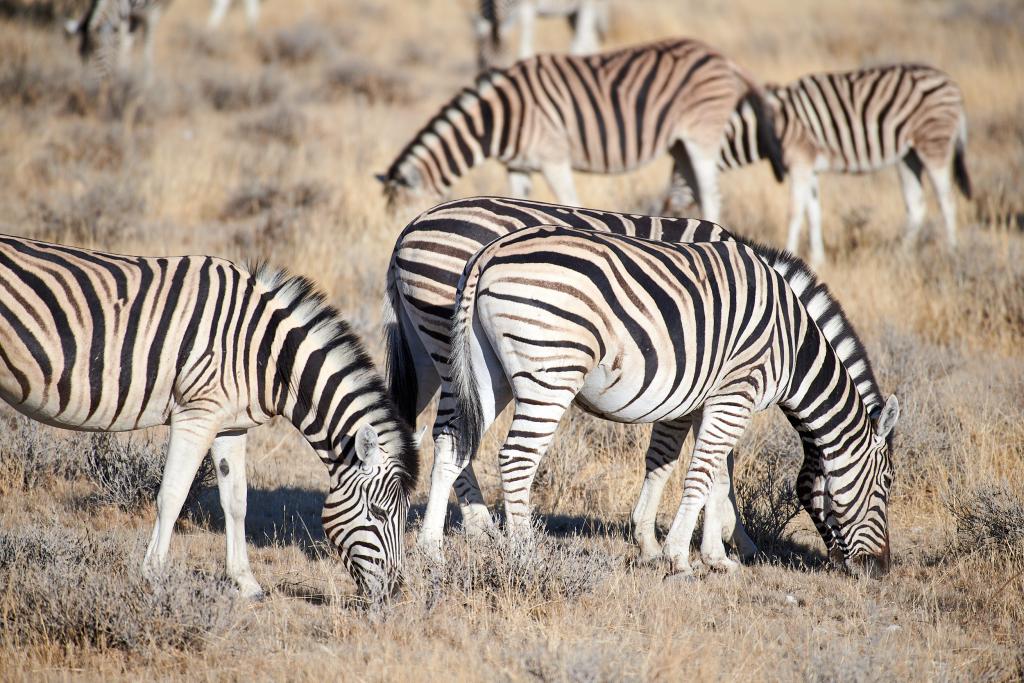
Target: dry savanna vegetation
263,144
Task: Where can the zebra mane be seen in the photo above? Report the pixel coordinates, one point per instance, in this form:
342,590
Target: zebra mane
826,311
309,304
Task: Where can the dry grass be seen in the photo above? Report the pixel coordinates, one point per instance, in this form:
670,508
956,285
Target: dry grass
264,145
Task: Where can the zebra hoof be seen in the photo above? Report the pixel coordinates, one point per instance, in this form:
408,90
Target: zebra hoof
722,565
680,577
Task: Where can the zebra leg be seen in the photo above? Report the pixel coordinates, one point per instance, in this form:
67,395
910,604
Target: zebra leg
814,222
533,428
732,530
799,190
705,168
662,455
527,20
152,21
217,13
942,180
584,39
252,12
228,453
910,169
443,474
682,190
189,441
476,518
721,426
519,183
559,178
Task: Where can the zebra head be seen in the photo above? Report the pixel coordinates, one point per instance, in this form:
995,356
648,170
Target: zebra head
407,184
365,511
857,496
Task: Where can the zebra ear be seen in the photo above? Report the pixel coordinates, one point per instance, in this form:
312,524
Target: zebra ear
887,420
368,447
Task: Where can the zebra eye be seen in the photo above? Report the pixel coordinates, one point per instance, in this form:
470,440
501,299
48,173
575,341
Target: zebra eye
379,513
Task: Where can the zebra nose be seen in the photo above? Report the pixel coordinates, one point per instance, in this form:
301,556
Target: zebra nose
874,566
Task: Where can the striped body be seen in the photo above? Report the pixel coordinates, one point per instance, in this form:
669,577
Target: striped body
425,267
589,20
123,17
858,122
606,113
104,342
673,334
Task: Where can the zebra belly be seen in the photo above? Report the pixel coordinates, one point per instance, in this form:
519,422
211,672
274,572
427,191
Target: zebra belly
619,395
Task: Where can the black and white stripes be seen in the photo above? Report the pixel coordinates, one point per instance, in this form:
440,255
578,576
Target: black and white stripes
605,113
103,342
907,115
700,335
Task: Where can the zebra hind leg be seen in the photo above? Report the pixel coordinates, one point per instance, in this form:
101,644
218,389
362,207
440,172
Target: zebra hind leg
667,440
720,427
476,518
941,176
910,169
228,453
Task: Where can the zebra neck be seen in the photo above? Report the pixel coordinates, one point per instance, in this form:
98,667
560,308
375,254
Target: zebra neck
824,405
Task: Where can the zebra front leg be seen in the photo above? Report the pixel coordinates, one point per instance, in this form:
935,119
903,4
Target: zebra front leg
705,169
662,455
733,531
519,183
559,178
798,198
585,32
682,193
814,223
190,439
942,182
721,426
228,453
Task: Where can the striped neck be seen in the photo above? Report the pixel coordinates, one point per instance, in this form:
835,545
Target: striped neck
471,128
315,372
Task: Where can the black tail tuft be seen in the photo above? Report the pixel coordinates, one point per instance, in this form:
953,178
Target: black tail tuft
767,138
401,369
963,181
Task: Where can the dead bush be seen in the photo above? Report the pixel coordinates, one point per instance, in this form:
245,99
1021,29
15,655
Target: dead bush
29,455
988,517
109,208
516,570
253,198
767,500
228,92
298,44
351,78
283,123
83,589
29,82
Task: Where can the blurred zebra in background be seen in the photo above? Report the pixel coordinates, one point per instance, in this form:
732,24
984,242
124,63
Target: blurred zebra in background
589,20
427,261
220,10
907,115
101,342
605,113
679,335
105,19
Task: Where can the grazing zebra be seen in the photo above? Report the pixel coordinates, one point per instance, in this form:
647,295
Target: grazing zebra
637,331
907,115
605,113
220,10
123,17
425,267
589,20
102,342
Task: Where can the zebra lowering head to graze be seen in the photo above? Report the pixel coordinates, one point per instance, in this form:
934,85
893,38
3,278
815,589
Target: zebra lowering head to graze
105,18
907,115
632,330
605,113
101,342
424,270
588,18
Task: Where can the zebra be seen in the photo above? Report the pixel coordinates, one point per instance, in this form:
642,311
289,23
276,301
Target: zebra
220,9
638,331
123,17
103,342
424,269
589,20
908,115
606,113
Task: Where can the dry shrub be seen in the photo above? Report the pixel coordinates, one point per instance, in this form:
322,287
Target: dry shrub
297,44
28,82
29,456
353,78
989,517
253,198
594,663
80,589
513,570
227,92
767,500
108,209
127,472
283,123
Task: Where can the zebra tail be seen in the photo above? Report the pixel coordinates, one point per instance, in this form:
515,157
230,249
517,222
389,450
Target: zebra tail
767,138
401,370
468,420
963,180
